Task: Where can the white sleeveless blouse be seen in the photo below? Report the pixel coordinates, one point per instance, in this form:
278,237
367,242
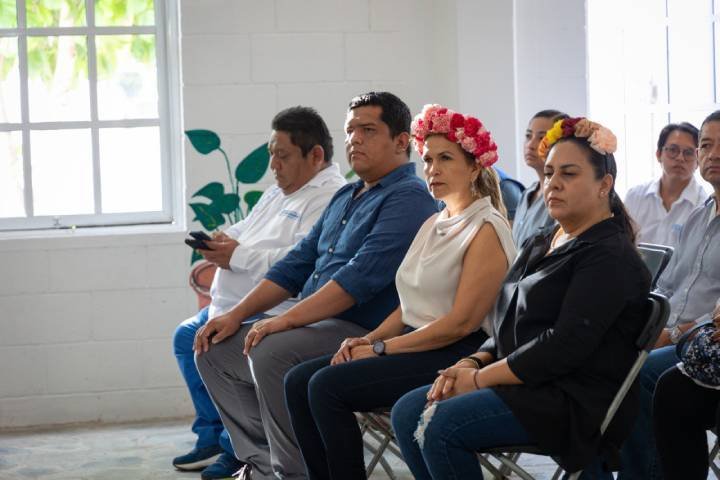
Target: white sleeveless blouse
428,277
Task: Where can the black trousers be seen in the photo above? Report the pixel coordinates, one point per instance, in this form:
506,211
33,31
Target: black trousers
321,400
683,411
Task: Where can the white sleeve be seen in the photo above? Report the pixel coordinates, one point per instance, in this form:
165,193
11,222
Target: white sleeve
256,262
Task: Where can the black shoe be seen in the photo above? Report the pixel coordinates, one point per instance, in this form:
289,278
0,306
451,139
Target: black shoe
198,458
224,467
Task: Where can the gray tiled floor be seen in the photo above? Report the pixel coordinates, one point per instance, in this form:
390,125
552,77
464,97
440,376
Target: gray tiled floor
136,451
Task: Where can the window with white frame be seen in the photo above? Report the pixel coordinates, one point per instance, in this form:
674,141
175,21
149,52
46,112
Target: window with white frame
85,113
650,62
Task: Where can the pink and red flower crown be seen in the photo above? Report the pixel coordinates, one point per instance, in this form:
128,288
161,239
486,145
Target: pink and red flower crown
466,131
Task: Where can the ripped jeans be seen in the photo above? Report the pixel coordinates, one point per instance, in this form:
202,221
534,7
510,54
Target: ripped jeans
440,443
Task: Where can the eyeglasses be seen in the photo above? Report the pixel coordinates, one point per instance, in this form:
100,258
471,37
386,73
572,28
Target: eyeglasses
673,151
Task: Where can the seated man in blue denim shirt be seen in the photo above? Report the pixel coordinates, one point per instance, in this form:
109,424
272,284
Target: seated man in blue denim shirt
691,282
345,270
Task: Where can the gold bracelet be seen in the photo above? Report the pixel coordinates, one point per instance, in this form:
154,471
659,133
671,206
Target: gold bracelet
475,361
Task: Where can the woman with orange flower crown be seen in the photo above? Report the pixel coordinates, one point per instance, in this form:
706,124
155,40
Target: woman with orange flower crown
564,330
447,284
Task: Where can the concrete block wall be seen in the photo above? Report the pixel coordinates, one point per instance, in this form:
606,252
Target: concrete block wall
86,326
238,72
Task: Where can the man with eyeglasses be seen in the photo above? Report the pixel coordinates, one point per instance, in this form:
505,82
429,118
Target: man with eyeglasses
661,207
691,282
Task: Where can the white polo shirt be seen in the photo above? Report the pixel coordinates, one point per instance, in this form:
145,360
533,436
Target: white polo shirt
655,224
274,226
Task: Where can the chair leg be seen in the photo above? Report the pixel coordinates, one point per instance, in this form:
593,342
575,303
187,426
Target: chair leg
713,457
504,470
485,463
558,473
506,461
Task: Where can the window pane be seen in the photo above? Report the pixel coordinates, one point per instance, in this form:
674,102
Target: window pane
62,172
58,83
124,12
55,13
645,64
8,15
690,56
127,77
11,175
9,81
130,169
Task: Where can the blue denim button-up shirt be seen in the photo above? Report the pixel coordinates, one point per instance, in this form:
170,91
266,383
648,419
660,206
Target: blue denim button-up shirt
359,243
691,280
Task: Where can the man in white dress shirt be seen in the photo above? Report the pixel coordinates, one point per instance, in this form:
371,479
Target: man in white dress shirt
306,179
661,207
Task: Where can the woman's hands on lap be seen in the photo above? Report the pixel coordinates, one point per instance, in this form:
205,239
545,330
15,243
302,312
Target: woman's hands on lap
348,349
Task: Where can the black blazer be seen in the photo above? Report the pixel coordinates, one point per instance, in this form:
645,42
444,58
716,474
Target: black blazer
567,323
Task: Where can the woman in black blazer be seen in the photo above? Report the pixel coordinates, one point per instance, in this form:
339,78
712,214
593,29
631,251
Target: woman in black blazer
565,324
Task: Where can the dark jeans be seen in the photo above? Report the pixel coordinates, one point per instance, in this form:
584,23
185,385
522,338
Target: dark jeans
321,400
682,412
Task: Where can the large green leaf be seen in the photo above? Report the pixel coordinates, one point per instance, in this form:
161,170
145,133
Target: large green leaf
254,166
251,198
207,215
204,141
228,203
213,190
195,256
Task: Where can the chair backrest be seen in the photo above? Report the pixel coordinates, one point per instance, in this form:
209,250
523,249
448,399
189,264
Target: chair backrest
658,313
656,258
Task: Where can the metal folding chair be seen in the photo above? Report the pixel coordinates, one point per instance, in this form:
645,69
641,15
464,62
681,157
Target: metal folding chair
713,457
659,311
378,438
656,258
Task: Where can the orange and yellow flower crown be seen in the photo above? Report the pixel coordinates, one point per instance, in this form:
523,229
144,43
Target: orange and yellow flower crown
600,138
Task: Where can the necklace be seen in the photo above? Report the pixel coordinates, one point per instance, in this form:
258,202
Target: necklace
560,239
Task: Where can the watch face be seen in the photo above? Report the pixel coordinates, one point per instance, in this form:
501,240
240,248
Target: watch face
378,347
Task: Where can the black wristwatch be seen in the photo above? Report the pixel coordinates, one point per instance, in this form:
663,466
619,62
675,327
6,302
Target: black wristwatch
378,347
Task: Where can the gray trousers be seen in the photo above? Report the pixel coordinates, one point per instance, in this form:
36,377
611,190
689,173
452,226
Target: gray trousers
249,394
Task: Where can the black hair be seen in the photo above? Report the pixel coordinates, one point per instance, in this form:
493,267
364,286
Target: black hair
604,164
713,117
552,114
686,127
395,113
306,129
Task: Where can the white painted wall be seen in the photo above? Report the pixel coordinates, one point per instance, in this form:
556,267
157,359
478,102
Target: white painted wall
550,64
86,319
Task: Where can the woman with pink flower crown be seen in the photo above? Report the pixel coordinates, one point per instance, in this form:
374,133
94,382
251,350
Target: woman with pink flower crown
447,284
564,329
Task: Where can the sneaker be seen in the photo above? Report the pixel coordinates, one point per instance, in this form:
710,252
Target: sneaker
198,458
224,467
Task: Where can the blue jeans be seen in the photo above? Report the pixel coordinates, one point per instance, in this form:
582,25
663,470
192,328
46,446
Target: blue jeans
459,427
638,453
321,400
207,425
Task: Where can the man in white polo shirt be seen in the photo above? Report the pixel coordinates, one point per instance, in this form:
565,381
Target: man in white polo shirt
306,179
661,207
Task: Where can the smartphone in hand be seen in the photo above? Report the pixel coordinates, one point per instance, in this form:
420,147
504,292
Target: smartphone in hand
198,240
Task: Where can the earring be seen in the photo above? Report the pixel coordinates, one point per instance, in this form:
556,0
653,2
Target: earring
473,190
